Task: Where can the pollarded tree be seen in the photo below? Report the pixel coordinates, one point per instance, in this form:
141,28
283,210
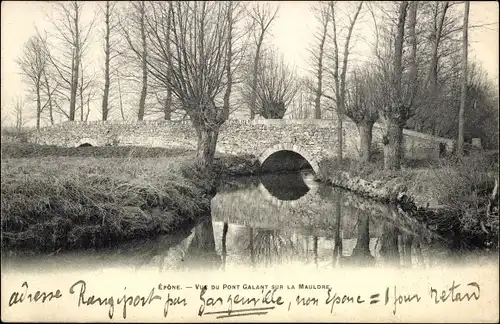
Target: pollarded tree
363,98
193,58
400,86
262,17
276,87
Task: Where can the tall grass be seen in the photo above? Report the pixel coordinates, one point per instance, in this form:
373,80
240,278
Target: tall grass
51,203
459,187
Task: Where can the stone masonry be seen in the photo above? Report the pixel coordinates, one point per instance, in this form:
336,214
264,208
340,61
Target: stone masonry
314,139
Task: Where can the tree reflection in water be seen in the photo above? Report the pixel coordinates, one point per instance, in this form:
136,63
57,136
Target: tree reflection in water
407,241
201,252
389,245
224,248
337,249
361,255
269,247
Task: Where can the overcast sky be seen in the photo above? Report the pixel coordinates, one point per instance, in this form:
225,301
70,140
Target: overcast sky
291,33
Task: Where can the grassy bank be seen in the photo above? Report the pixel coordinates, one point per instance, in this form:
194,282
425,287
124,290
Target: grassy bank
56,198
450,195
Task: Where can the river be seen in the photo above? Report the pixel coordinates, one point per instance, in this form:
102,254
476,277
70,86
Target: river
277,220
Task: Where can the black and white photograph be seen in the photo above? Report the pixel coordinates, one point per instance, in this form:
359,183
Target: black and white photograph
250,161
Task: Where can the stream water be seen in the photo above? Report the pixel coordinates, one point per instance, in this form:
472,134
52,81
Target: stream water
275,220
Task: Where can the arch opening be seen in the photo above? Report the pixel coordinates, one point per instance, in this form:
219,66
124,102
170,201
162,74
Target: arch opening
287,158
86,142
285,161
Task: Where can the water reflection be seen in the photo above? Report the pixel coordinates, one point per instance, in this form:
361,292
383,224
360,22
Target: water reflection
325,228
291,187
201,251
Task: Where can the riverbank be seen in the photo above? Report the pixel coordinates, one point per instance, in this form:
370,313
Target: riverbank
56,198
450,196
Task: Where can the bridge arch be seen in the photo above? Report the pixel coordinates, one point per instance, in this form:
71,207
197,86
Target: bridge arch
86,140
290,147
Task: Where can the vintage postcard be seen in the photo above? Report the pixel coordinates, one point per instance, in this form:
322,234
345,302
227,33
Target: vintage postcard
249,161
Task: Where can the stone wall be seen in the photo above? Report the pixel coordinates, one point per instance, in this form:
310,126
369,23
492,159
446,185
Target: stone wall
314,139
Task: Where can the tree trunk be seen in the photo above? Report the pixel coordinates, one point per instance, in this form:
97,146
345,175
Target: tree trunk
51,114
254,77
365,129
38,106
81,96
319,90
76,67
88,108
229,74
49,94
144,90
393,145
340,135
463,97
74,85
106,68
168,105
207,142
121,100
81,104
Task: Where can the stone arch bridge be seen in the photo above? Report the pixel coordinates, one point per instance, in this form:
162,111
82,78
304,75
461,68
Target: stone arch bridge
314,139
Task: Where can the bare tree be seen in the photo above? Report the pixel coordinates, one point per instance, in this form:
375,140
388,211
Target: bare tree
400,87
262,17
87,90
463,97
122,113
276,87
133,27
18,110
236,48
303,103
339,75
49,91
110,52
323,16
362,103
73,37
32,63
3,116
197,59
